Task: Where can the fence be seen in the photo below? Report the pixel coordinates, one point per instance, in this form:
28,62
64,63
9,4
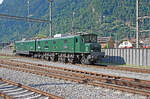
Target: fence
140,57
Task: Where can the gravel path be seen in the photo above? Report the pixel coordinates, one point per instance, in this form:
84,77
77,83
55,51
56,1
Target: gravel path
90,69
66,89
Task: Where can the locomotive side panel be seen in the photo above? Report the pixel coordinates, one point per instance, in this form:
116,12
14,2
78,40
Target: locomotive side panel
44,45
25,47
65,45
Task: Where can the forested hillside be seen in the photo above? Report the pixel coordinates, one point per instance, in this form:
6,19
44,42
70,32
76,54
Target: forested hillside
114,18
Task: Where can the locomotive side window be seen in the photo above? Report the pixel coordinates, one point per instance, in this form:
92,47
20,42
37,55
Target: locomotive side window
54,42
65,41
82,40
46,42
76,40
90,38
38,42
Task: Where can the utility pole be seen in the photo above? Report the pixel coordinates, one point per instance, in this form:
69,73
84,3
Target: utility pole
73,22
28,8
50,18
137,23
29,13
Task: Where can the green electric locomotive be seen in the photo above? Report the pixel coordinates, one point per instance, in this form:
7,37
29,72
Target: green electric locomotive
81,48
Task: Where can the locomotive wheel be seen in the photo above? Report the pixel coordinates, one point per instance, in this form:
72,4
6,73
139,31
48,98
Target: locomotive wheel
53,59
85,61
71,60
48,58
64,60
35,55
43,57
59,59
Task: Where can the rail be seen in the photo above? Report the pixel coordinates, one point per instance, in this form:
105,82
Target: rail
18,90
108,81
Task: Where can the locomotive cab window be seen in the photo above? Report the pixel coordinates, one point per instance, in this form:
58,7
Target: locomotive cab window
38,42
54,42
91,38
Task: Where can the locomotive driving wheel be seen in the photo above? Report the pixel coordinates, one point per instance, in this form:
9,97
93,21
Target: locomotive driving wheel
84,60
59,59
64,60
43,57
53,59
71,60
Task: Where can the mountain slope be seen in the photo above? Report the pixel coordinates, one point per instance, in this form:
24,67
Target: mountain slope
105,17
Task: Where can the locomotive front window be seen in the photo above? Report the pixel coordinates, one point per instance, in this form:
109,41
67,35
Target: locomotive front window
90,38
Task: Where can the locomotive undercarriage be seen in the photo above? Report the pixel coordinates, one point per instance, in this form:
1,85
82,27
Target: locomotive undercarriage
83,58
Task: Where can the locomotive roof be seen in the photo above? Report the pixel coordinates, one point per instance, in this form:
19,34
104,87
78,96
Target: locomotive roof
58,37
24,41
70,36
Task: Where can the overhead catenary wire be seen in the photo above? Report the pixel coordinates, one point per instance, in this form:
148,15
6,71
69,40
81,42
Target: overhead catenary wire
24,18
50,18
28,15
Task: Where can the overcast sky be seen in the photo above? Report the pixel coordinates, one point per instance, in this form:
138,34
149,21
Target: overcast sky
1,1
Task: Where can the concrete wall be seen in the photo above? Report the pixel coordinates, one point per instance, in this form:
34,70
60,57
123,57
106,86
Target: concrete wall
128,56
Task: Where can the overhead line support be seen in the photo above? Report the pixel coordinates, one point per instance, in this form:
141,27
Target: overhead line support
50,18
137,23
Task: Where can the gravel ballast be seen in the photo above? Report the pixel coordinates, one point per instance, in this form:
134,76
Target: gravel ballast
66,89
142,76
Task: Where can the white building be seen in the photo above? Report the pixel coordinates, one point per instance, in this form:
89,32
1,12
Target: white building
125,44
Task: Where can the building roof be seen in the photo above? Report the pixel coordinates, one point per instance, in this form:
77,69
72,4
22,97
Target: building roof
104,39
146,40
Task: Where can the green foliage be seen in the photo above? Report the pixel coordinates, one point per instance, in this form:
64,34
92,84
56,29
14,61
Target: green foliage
114,18
40,36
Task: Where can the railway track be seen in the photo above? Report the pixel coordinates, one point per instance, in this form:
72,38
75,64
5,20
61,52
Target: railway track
132,85
131,69
12,90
